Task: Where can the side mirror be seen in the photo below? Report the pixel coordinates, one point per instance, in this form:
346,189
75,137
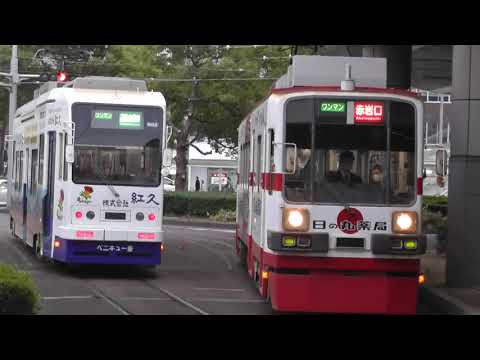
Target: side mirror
290,158
441,162
69,154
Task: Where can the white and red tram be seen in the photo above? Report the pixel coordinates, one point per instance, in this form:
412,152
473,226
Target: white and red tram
330,190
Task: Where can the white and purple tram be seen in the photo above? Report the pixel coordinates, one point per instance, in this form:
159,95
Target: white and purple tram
86,183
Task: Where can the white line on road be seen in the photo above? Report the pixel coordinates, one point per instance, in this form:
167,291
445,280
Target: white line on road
133,298
218,289
108,300
229,300
68,297
179,299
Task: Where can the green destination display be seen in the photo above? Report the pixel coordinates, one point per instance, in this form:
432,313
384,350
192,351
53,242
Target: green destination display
103,115
117,119
336,107
130,120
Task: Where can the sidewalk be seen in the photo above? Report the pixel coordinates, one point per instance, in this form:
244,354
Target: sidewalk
437,295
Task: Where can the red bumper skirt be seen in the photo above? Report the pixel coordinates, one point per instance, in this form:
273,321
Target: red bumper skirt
337,292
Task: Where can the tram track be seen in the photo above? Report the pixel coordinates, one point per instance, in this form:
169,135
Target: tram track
115,302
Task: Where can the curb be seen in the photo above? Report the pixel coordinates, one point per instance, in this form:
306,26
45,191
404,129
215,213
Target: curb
444,303
205,223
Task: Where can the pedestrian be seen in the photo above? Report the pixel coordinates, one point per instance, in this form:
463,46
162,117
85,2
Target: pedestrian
197,185
202,188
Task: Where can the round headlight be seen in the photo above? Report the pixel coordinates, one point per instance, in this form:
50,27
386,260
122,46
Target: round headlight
404,221
295,218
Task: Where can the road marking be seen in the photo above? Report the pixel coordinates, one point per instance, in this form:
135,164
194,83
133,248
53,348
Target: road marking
68,297
133,298
218,289
177,298
229,300
110,301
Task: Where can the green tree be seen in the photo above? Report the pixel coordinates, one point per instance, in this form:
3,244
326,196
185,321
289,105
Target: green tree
198,109
203,108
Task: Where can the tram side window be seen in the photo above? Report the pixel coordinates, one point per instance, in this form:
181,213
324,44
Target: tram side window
14,162
27,163
65,164
15,175
244,174
259,161
244,166
272,149
60,156
20,181
249,164
271,169
241,168
41,159
33,177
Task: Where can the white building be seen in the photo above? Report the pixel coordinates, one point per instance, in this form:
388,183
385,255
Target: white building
217,171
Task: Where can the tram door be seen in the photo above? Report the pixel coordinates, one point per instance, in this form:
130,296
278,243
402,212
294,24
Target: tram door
48,200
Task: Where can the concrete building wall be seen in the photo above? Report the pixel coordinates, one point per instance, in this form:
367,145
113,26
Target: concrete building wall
463,250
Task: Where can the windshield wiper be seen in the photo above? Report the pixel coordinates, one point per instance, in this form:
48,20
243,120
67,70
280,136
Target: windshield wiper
111,188
339,199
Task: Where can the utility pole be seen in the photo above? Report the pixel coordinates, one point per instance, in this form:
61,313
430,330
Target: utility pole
12,85
12,107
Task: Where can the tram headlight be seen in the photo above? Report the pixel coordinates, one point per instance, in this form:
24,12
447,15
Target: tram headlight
296,219
404,222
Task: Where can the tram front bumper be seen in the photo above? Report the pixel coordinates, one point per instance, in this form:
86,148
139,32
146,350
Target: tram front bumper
107,252
340,292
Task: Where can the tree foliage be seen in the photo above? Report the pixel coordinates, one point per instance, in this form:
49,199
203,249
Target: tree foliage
229,82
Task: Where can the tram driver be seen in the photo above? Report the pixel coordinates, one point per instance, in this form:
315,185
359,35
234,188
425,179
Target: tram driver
344,173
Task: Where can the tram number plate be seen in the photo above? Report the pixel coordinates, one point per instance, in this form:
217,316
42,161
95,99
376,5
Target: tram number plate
115,248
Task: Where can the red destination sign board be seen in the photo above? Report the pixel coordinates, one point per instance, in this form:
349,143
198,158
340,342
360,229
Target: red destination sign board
368,112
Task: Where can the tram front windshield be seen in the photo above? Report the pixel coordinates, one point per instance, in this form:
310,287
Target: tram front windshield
351,151
117,145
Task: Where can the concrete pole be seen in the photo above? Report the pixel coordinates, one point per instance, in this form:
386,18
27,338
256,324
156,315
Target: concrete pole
12,107
463,248
399,63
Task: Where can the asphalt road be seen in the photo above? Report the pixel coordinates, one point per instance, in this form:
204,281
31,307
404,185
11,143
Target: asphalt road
200,274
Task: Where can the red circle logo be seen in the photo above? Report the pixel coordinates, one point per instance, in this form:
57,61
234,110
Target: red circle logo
348,219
